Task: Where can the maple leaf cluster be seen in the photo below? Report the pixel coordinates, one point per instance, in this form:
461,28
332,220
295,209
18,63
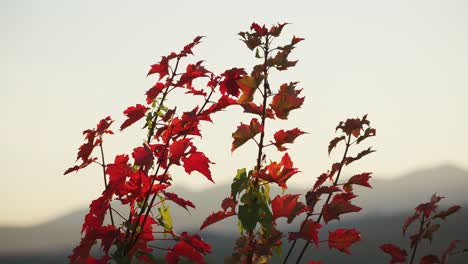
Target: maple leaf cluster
142,181
250,200
93,138
336,196
257,213
428,216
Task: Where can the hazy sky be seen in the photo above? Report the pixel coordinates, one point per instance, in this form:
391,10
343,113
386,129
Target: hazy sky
66,64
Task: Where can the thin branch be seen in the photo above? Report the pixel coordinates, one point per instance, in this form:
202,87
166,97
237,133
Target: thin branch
321,212
103,165
155,247
421,225
117,212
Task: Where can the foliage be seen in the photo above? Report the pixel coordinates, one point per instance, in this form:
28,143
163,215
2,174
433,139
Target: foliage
429,222
142,181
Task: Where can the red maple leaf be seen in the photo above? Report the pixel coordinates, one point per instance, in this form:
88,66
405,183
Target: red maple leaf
228,203
133,113
342,239
340,204
143,157
308,232
359,179
287,206
228,85
223,102
97,211
313,196
296,40
192,72
286,100
196,242
275,31
197,161
103,126
247,86
260,30
162,68
216,217
176,199
118,171
178,149
353,126
136,188
334,142
428,208
449,211
320,180
252,108
79,167
286,136
398,255
152,93
184,249
245,132
188,48
349,160
278,172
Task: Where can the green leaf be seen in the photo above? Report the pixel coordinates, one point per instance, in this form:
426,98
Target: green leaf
248,217
240,183
266,191
251,210
166,219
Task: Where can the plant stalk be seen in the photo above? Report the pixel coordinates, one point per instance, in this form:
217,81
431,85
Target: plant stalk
348,144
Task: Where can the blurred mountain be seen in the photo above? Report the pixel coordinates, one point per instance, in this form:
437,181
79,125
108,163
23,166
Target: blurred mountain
384,209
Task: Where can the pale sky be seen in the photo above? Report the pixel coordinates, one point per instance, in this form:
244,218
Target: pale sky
66,64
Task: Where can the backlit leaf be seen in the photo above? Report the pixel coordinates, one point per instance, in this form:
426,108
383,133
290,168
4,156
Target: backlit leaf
287,206
309,232
342,239
286,136
286,100
216,217
247,85
398,255
133,113
245,132
197,161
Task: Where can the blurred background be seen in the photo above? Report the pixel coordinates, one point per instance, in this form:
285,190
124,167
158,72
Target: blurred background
67,64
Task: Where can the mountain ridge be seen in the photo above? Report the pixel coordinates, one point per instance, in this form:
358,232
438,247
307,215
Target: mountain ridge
384,201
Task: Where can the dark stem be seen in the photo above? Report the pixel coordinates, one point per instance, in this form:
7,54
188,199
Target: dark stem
134,237
417,241
103,165
335,183
153,124
295,241
117,212
266,90
150,136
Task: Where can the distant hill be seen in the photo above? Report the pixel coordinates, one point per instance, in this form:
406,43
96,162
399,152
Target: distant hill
385,207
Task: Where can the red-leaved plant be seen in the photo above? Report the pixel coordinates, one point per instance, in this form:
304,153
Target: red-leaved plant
142,183
428,217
